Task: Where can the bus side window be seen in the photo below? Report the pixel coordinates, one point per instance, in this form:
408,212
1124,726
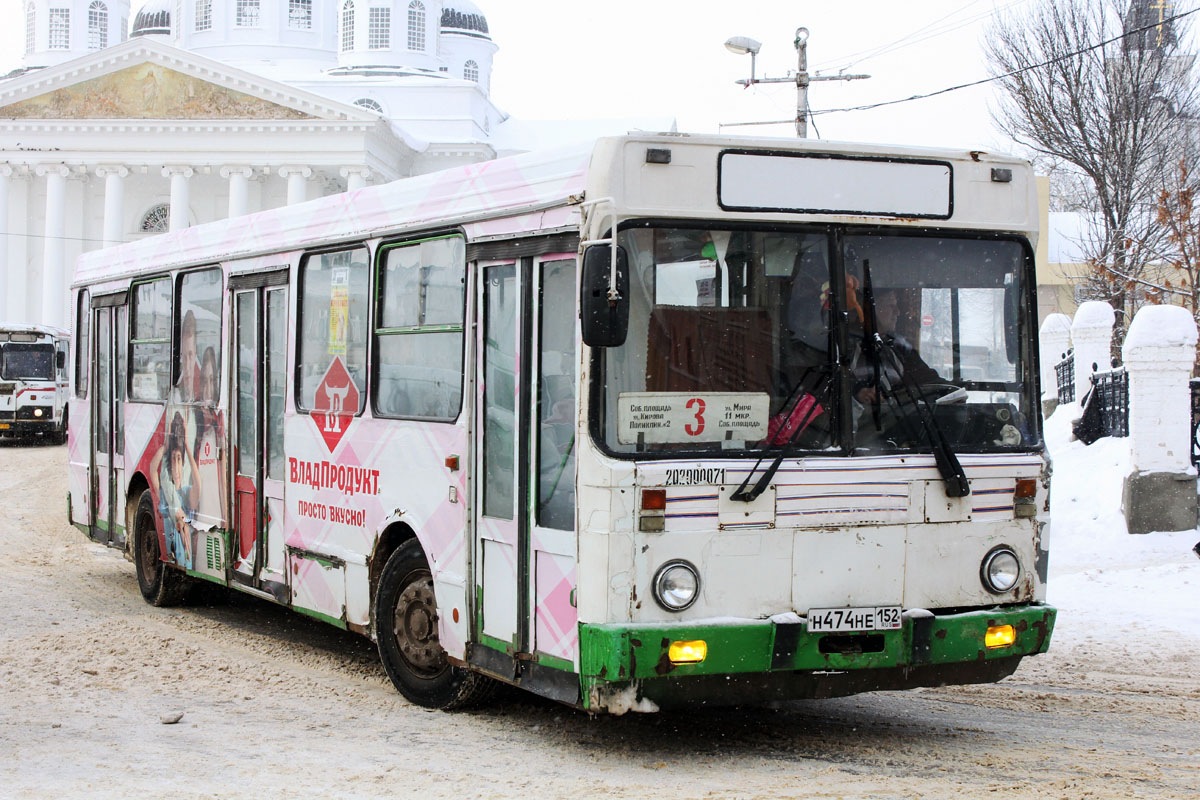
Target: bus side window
333,321
83,327
420,329
150,341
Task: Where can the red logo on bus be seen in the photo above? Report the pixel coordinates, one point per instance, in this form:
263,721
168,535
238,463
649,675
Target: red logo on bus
335,404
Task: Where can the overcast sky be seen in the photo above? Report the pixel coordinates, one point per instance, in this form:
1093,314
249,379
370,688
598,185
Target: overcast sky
655,58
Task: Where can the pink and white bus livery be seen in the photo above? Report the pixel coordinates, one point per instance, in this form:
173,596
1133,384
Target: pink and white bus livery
666,419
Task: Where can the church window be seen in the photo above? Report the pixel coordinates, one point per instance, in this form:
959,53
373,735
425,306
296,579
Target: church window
60,29
416,25
97,25
379,29
347,26
369,104
203,15
247,13
300,14
156,220
471,71
30,27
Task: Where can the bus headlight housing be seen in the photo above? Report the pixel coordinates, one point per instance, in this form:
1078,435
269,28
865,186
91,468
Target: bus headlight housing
1000,570
676,585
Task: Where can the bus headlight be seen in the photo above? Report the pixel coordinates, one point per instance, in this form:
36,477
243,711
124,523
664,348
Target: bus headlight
1000,570
676,585
37,412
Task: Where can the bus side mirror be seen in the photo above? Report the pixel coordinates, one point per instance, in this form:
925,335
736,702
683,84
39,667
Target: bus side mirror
60,360
604,322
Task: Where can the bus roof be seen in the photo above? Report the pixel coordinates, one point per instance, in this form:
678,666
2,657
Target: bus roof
536,191
42,330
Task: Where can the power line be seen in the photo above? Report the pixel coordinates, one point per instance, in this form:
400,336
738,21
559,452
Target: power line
980,82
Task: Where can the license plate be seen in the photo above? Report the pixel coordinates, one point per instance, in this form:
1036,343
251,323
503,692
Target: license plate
850,620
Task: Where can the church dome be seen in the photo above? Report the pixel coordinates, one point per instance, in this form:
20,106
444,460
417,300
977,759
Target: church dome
153,19
464,17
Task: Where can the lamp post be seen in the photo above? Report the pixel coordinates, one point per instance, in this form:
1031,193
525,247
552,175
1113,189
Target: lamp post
742,45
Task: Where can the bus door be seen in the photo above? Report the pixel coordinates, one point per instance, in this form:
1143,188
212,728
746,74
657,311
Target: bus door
107,426
525,504
260,322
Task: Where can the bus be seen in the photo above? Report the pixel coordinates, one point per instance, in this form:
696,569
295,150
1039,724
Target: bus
663,420
33,381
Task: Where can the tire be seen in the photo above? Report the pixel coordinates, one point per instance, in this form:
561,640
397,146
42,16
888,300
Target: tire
406,630
60,436
160,584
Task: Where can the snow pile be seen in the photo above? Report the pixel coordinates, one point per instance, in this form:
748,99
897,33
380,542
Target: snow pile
1107,584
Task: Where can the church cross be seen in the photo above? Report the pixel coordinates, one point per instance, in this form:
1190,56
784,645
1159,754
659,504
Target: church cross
1160,7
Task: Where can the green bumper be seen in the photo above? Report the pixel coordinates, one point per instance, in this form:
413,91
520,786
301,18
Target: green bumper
925,650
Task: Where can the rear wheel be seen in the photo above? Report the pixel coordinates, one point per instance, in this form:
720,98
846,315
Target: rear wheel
406,629
60,436
160,584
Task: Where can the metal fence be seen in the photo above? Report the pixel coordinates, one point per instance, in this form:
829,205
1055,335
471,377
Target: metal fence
1111,391
1064,372
1194,384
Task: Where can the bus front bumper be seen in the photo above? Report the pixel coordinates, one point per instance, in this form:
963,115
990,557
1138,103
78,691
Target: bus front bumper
24,422
624,666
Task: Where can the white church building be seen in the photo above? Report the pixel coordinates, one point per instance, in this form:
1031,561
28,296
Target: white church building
216,108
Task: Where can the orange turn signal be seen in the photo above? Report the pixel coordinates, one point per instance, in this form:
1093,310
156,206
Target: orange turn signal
1000,636
654,499
688,652
1026,487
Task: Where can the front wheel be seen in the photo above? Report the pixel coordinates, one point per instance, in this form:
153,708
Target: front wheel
160,584
406,629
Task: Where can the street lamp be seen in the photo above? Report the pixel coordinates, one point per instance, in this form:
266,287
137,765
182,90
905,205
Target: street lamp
744,44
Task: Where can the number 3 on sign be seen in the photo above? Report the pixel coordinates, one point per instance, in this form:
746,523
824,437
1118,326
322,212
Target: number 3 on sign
695,430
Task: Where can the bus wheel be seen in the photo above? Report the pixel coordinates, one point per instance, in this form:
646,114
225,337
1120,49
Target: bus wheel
160,584
406,629
60,436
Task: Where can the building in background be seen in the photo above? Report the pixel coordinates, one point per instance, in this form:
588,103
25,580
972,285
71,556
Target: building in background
216,108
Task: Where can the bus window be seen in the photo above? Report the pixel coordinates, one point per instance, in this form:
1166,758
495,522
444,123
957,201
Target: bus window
421,303
150,341
333,320
556,401
197,377
83,327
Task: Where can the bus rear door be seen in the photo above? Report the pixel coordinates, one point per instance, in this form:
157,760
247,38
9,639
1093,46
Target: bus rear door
107,520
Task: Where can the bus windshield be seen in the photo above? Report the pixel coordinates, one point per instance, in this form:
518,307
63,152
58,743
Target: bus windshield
738,341
30,362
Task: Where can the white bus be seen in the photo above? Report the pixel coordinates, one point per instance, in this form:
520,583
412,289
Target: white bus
645,423
33,381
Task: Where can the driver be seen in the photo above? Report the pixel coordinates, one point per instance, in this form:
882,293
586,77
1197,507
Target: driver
912,368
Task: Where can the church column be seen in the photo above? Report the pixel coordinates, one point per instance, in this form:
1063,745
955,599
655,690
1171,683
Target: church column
54,288
5,175
114,202
356,177
297,183
239,189
179,195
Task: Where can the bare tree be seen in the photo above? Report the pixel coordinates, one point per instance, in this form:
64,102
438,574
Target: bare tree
1097,88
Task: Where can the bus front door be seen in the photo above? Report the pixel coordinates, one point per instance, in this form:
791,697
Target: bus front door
107,521
259,363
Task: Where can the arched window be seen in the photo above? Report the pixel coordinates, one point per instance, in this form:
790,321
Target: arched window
60,29
300,14
30,28
416,25
157,219
471,71
379,29
203,15
97,25
347,26
247,14
369,104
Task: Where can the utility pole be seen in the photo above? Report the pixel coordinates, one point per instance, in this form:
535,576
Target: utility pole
742,45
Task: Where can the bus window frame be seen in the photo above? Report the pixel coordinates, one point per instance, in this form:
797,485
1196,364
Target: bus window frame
131,343
83,316
177,321
377,331
298,366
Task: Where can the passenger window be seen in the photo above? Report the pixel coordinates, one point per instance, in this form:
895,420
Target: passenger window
150,341
333,319
420,331
83,327
197,362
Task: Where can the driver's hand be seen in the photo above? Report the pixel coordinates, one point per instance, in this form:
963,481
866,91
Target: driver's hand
866,395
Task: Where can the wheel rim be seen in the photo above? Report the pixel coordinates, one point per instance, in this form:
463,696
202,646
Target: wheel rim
414,624
147,547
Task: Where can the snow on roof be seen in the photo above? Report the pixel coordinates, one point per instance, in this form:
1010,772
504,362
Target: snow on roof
522,135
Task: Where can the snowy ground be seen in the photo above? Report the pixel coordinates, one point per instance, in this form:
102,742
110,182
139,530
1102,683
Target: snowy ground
1102,579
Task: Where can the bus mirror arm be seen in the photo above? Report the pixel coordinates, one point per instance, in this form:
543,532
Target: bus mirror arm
604,307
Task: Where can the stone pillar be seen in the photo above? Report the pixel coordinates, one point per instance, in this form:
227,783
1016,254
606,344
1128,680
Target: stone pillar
54,268
1159,350
1091,333
1054,339
239,189
297,183
114,202
179,195
5,177
356,177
